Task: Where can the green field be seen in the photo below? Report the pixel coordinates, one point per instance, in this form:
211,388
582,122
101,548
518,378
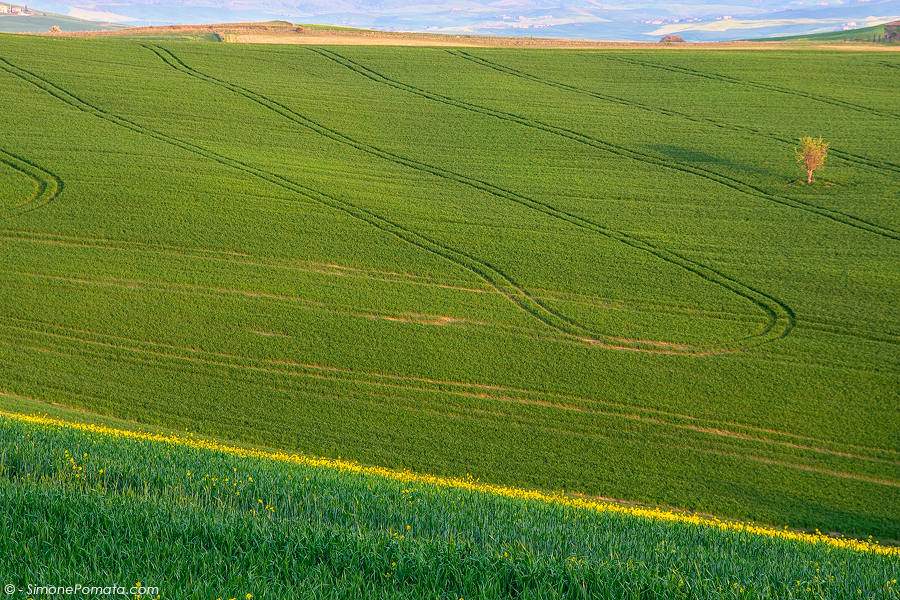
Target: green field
597,271
231,524
860,34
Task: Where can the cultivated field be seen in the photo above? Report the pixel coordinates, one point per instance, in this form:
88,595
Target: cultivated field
237,523
590,270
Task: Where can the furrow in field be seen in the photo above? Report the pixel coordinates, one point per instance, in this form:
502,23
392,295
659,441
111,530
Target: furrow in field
638,306
810,468
309,304
248,260
49,185
344,271
295,301
714,432
861,365
884,337
493,276
772,308
847,156
279,368
715,441
734,184
755,84
639,442
113,244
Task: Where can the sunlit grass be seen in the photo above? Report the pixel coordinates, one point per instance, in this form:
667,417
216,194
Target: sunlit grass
231,521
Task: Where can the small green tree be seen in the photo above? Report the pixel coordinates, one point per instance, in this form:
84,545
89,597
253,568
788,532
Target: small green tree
812,153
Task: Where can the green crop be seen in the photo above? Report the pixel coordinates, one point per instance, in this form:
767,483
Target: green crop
203,523
599,271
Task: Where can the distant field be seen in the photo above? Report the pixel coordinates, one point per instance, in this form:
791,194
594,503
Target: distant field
42,21
862,33
596,271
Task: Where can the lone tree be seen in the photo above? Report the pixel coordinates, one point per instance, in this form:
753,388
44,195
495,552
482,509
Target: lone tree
812,153
671,39
54,29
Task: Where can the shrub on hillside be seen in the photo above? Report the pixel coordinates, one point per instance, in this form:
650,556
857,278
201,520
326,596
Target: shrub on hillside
671,39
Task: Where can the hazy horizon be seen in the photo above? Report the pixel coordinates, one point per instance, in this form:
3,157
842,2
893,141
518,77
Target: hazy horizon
578,19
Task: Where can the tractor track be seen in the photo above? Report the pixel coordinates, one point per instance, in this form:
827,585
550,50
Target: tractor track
611,148
296,302
336,270
720,434
493,276
224,256
761,86
49,185
880,167
781,317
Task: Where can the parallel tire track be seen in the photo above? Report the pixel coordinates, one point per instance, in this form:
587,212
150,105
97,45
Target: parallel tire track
881,167
193,289
184,252
543,294
145,350
611,148
762,86
781,318
878,454
299,302
49,185
503,284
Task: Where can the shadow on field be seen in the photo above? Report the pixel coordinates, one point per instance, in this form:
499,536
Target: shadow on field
696,158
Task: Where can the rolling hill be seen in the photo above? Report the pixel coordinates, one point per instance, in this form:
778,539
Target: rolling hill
598,271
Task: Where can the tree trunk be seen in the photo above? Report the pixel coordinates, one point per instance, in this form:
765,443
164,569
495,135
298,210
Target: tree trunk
809,176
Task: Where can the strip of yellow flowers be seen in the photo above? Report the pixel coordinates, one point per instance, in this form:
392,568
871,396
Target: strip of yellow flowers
469,484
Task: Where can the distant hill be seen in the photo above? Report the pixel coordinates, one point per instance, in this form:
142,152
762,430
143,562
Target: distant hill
646,21
42,21
861,33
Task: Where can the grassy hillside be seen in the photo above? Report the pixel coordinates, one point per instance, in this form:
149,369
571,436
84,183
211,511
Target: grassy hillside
241,524
861,34
596,271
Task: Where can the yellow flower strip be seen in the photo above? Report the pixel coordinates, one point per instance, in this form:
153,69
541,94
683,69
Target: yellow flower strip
472,485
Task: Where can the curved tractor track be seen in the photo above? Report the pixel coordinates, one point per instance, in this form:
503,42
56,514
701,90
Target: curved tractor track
885,168
761,86
780,317
718,437
49,186
735,184
498,280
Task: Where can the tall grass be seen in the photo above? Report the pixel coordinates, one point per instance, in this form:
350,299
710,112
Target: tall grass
97,506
